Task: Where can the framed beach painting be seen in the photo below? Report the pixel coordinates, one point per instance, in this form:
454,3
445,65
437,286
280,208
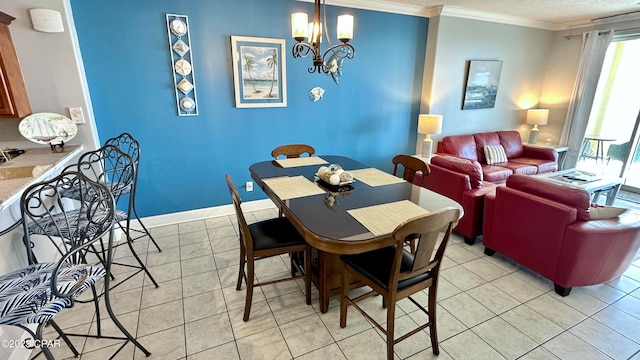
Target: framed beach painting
259,72
483,77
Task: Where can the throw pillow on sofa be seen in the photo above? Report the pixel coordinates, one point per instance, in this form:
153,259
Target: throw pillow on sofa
495,154
604,212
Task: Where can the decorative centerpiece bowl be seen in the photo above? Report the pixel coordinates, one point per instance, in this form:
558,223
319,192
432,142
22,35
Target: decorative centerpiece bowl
334,175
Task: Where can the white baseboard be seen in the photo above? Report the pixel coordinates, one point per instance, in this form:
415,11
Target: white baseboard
199,214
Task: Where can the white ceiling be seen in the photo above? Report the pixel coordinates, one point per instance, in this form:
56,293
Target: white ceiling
550,14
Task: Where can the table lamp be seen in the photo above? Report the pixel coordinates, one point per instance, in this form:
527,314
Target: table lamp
536,117
429,124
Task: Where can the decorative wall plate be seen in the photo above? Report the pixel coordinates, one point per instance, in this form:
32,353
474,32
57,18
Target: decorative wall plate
178,27
187,104
182,67
47,128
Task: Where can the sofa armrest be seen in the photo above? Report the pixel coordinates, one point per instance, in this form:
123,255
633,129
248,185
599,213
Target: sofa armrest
446,182
536,152
607,247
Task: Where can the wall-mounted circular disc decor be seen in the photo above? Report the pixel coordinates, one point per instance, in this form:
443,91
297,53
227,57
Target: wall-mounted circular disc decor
182,64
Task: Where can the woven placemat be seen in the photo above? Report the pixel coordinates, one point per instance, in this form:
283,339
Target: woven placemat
302,161
293,187
383,219
375,177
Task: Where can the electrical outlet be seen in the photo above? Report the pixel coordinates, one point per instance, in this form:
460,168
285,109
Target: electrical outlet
76,115
249,185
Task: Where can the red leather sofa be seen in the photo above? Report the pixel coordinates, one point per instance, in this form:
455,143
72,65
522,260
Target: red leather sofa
461,180
547,227
522,158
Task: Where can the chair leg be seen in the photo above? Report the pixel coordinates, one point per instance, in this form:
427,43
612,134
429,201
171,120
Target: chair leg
561,290
241,274
43,347
135,255
135,212
65,338
343,298
249,297
97,307
119,325
432,321
292,265
391,310
307,274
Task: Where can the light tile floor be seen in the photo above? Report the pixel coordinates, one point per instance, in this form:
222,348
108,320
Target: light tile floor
488,308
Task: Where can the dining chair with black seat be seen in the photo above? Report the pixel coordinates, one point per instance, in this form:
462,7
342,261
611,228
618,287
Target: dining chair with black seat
411,166
264,239
396,274
126,143
115,169
292,151
65,232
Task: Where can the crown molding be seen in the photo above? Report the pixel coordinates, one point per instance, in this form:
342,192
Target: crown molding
442,10
381,5
495,17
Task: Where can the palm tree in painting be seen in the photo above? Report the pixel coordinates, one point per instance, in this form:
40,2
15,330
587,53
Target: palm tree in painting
248,65
273,65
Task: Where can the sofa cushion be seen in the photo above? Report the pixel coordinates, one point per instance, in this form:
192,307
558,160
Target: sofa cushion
464,166
495,154
482,140
496,174
565,194
463,146
520,168
511,142
543,166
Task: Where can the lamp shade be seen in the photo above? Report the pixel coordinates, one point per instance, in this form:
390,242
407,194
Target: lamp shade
537,116
429,124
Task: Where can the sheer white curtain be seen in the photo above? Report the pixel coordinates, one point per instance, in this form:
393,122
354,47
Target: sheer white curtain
594,49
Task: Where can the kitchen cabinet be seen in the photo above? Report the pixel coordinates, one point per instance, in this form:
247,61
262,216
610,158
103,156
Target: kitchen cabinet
14,101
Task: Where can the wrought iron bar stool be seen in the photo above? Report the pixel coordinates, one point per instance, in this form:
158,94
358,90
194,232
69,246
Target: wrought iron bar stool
126,143
38,293
115,169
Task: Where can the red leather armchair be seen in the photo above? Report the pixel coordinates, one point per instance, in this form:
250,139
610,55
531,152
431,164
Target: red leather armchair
547,228
460,180
522,158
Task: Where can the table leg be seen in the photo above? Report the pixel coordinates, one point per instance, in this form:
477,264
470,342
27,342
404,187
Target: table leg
583,149
599,151
612,194
322,279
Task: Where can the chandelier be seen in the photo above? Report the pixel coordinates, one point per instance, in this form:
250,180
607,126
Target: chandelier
329,62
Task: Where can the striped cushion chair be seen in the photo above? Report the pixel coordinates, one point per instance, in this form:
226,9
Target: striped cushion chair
39,292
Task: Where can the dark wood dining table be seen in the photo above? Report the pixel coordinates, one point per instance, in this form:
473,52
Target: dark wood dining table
326,225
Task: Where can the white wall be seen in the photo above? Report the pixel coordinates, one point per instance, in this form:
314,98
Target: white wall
54,77
524,52
52,70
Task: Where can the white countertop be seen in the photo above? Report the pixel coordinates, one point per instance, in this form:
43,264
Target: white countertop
48,163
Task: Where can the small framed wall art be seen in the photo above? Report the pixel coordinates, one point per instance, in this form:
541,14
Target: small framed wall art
259,72
184,80
483,77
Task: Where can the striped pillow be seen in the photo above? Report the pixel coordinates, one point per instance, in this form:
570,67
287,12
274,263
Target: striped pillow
495,154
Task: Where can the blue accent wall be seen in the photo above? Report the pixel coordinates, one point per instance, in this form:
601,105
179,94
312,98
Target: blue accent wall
371,116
